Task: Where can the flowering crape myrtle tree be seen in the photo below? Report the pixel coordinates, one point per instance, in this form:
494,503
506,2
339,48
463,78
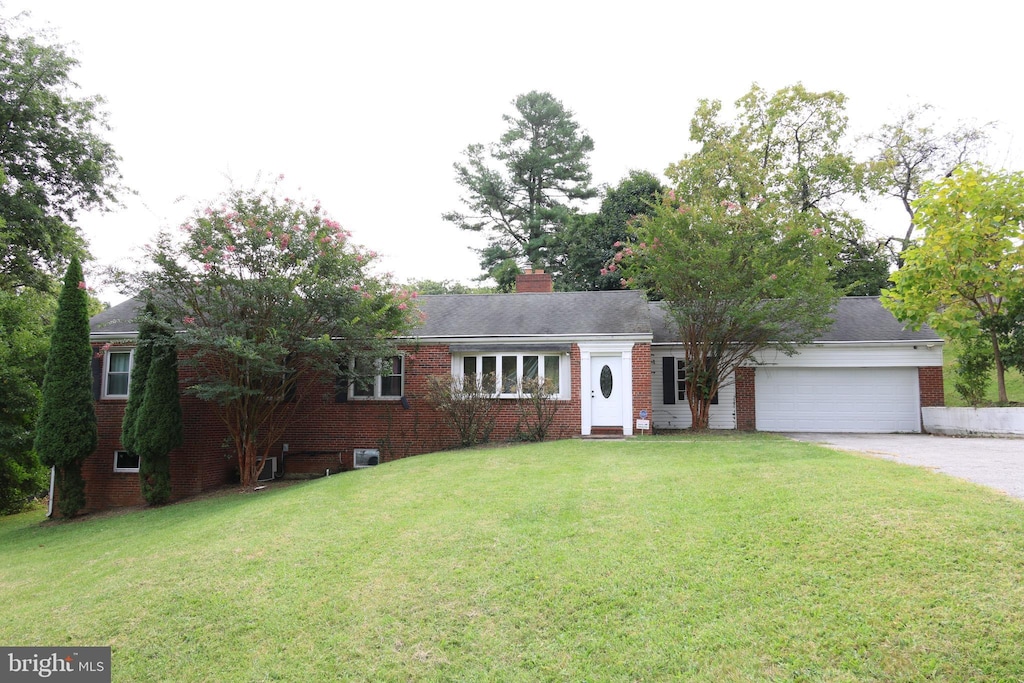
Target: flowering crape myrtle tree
268,292
736,278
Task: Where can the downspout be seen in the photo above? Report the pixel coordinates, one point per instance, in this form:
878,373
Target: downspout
49,502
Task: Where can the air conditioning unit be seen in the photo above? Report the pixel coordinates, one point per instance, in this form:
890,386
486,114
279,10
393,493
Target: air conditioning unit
365,457
269,470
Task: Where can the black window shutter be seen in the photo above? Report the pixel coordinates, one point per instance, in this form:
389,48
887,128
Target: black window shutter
668,380
97,376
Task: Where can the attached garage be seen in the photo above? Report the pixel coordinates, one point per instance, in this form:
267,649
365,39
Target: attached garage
861,399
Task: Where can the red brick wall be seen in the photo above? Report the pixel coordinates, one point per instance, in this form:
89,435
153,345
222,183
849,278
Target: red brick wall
323,433
642,382
746,416
932,391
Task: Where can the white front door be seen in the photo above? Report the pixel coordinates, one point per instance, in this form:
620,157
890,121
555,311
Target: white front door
606,391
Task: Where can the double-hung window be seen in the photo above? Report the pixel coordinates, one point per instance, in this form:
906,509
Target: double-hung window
508,374
378,379
117,367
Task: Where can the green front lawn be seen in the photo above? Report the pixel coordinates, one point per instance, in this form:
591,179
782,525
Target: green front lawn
675,558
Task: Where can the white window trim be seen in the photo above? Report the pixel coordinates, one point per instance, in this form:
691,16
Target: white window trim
564,383
124,469
377,383
106,370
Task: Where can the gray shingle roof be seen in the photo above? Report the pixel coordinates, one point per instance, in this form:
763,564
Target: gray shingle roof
856,319
481,316
545,314
119,319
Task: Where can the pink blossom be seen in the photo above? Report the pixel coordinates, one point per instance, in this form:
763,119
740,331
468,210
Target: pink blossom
622,282
643,245
269,234
672,195
207,267
356,288
403,306
230,247
816,232
628,251
285,239
188,320
773,276
280,176
604,271
617,244
617,257
81,285
612,268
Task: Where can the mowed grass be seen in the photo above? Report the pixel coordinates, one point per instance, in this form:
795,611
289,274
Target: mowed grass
743,557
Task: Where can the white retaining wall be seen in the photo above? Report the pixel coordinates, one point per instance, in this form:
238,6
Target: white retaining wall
974,421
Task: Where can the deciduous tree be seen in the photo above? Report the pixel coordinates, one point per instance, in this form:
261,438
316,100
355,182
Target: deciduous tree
790,149
915,149
54,159
735,278
66,432
969,264
522,189
270,293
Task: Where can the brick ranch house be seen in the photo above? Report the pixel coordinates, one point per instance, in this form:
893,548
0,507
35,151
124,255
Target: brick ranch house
611,355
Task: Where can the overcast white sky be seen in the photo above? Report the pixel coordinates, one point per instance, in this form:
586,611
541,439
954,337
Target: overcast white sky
367,105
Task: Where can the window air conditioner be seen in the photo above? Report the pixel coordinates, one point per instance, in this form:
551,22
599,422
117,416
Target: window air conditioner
269,470
365,457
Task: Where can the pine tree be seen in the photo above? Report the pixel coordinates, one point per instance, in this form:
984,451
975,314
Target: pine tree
158,430
66,431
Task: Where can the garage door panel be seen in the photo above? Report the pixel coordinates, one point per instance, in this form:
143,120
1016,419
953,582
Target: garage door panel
837,399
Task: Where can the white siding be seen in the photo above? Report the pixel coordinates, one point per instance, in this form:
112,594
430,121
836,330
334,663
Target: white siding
677,416
877,355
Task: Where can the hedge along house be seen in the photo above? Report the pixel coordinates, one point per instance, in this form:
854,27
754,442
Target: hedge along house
610,356
866,373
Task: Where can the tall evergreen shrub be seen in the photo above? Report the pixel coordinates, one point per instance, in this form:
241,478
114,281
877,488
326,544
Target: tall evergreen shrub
66,430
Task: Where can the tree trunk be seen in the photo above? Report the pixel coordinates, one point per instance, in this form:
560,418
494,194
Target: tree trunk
1000,369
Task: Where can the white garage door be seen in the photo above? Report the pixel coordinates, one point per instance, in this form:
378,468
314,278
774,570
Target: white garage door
837,400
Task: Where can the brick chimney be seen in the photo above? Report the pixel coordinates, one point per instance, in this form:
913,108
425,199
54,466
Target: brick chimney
534,281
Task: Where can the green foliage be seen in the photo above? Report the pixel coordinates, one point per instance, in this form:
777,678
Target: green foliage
520,190
464,405
53,158
969,263
438,287
141,360
25,319
586,244
66,429
974,364
789,149
735,278
269,293
158,429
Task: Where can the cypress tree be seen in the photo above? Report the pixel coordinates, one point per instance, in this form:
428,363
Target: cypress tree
158,428
140,369
66,430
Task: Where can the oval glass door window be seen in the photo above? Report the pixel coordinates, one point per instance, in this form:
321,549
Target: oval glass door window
606,381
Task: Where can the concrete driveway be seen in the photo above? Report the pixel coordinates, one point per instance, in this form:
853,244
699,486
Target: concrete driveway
994,462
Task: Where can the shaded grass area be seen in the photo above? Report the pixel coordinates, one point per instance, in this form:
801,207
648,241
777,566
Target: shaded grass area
711,558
